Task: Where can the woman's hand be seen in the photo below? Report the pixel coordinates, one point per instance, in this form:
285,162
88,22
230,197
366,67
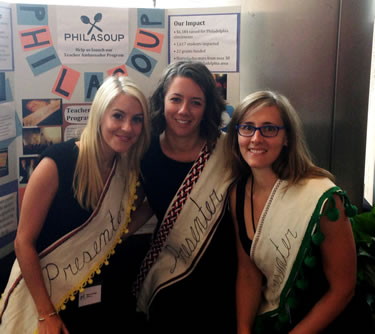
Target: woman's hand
52,324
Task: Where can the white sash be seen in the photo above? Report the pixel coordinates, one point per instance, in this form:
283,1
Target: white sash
193,230
71,262
281,231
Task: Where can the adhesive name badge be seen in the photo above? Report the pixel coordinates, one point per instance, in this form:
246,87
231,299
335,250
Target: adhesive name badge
90,295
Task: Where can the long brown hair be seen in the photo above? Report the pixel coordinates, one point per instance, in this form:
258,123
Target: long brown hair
294,162
201,75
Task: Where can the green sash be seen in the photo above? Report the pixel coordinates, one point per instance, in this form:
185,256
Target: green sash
284,243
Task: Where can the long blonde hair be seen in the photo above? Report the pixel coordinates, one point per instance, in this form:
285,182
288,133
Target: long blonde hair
294,162
87,180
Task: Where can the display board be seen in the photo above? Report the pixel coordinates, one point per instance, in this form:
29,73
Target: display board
54,58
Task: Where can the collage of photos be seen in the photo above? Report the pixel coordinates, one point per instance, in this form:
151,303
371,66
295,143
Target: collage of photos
42,121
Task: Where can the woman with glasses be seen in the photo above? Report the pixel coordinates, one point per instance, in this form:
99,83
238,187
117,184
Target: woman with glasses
296,252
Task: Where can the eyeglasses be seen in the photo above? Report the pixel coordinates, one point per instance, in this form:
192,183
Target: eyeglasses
247,130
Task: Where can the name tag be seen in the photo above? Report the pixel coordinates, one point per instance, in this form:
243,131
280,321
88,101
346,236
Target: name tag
91,295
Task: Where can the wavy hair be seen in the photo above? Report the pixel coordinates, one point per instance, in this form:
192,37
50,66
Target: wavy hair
215,105
294,162
87,181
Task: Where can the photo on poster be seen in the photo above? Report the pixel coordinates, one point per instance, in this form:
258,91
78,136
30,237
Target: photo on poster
41,112
4,167
221,84
27,166
36,140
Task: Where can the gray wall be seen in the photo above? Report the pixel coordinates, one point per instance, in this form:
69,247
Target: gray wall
318,54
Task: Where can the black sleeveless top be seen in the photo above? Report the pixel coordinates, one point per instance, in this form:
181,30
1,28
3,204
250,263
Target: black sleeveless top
240,205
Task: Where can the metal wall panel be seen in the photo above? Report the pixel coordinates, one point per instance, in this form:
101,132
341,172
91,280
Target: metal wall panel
352,92
303,50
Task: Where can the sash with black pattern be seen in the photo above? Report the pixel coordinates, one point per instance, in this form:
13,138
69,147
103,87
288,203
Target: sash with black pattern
188,226
171,217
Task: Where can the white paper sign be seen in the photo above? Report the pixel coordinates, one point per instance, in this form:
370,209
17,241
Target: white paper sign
7,121
73,131
90,295
8,214
210,39
6,47
92,35
77,114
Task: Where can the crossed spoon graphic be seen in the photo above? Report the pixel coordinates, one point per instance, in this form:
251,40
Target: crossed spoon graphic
86,20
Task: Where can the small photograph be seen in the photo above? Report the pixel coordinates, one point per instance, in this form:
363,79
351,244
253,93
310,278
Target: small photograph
41,112
36,140
4,168
221,84
27,166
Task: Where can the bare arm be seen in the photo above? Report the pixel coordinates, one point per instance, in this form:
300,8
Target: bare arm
38,197
249,281
339,265
139,217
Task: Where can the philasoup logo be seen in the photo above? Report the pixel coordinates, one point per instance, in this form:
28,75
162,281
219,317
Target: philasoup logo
92,34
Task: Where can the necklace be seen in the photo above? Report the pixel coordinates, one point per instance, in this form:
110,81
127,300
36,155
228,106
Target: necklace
252,202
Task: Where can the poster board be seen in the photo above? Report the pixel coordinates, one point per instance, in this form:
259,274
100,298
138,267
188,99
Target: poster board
56,57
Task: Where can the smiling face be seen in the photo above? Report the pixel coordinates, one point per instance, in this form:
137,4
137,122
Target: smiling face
261,152
121,125
184,106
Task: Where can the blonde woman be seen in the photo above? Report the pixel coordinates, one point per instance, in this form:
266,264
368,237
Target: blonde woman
75,209
296,251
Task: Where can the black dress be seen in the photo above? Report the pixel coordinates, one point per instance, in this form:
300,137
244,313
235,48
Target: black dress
204,301
117,307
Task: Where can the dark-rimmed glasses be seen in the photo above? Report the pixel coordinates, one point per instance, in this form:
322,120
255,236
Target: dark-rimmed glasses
247,130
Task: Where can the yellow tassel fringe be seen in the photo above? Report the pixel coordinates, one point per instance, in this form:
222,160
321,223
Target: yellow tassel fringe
70,296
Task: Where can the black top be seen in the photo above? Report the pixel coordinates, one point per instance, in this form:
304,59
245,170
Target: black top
203,301
161,177
65,213
240,205
115,279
